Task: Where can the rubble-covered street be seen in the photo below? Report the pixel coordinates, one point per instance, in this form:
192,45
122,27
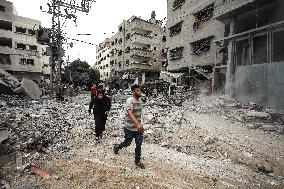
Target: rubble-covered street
196,142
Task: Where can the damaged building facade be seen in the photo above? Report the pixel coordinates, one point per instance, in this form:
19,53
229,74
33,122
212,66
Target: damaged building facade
191,30
252,67
137,50
20,54
103,59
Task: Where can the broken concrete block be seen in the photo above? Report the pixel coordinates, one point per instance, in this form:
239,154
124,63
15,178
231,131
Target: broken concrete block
252,115
29,88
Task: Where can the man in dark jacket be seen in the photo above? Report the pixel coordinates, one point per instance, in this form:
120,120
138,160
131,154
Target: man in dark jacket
101,105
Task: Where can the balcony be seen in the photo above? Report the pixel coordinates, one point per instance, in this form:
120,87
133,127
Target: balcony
141,38
229,8
140,53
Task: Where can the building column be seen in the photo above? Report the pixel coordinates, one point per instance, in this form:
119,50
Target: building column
229,87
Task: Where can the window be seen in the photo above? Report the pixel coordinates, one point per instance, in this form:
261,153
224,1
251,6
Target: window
242,52
2,8
5,25
177,4
5,42
23,61
260,49
164,38
120,41
201,46
203,15
119,64
21,46
5,59
21,30
176,53
31,32
31,61
155,48
127,49
174,30
128,36
120,29
127,62
119,52
115,41
33,47
278,46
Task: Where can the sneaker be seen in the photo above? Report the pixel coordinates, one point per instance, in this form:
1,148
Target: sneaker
140,165
115,149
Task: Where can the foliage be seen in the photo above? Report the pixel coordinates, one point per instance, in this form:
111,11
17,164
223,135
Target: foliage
80,73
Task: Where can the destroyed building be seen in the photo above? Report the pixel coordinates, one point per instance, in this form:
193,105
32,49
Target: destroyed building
137,50
191,30
103,59
20,54
252,67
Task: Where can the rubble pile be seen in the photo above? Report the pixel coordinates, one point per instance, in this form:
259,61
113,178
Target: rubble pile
43,126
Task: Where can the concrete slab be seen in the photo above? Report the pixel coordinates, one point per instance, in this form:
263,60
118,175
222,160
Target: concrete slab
29,88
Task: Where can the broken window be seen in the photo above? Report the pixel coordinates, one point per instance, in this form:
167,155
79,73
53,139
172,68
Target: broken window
6,42
21,30
23,61
174,30
31,32
5,25
112,62
2,8
120,41
119,52
5,59
201,46
30,61
127,49
278,46
164,63
242,56
120,29
260,49
21,46
177,4
33,47
203,15
127,62
176,53
128,36
164,38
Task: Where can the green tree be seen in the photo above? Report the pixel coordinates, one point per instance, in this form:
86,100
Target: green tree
81,74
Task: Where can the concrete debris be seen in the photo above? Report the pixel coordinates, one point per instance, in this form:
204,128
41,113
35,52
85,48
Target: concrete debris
29,88
253,115
204,135
7,82
40,171
4,135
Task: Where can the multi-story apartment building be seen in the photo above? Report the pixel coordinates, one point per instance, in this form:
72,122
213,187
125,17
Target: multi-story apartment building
103,59
191,30
136,49
253,50
20,54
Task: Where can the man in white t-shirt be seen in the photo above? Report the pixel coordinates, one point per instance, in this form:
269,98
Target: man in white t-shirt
133,128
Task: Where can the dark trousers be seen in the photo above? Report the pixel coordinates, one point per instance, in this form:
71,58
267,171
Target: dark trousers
128,137
100,122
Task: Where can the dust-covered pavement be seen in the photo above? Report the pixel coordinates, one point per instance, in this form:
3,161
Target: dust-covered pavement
202,144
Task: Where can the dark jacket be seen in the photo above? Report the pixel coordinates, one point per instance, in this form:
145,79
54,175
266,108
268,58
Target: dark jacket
100,106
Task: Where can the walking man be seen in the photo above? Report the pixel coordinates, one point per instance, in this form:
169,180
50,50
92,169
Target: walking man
101,105
133,128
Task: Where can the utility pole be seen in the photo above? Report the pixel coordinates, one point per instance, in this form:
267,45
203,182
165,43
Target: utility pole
56,35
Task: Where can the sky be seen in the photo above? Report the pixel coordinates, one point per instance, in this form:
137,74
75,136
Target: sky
101,21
